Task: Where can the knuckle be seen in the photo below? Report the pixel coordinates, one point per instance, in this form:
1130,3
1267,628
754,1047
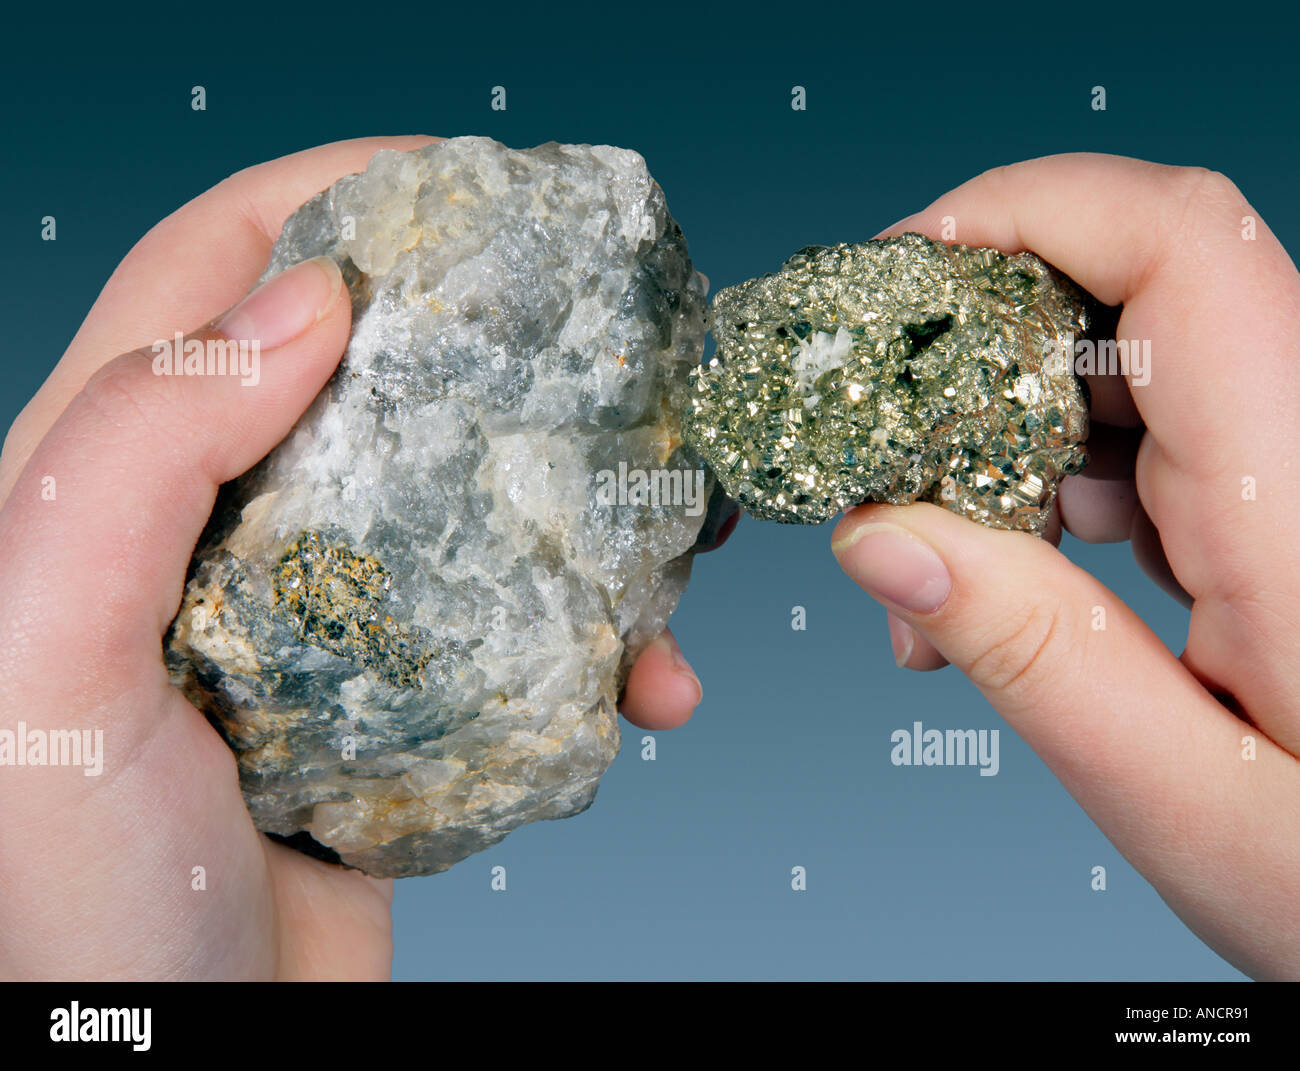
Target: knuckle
118,394
238,193
232,192
998,178
1199,192
1022,653
996,173
1205,184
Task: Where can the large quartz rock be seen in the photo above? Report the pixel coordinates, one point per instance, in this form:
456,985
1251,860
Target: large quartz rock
412,620
895,370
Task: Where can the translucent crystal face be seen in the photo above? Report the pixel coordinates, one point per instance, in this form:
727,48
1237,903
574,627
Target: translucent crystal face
412,619
895,370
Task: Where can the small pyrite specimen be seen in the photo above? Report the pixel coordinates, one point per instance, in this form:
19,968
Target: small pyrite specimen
895,370
413,619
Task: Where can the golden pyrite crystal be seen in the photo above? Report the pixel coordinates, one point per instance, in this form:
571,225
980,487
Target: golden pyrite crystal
895,370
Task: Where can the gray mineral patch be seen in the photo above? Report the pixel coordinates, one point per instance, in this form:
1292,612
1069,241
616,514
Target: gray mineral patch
412,620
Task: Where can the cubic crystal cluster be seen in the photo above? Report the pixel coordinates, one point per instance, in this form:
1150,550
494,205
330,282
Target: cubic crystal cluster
413,619
895,370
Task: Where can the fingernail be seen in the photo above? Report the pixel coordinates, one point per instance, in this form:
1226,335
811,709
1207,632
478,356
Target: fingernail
892,564
679,663
284,307
902,639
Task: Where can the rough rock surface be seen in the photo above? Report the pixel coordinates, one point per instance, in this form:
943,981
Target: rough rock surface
412,620
895,370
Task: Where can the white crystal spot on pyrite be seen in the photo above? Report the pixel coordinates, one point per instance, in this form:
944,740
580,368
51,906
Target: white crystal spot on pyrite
412,620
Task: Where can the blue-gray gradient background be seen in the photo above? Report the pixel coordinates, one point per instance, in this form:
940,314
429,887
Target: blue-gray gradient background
682,867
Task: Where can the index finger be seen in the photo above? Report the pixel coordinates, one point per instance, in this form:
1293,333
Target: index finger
1168,244
1205,283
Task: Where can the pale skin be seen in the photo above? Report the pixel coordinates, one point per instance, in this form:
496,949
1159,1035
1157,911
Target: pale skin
95,873
1140,737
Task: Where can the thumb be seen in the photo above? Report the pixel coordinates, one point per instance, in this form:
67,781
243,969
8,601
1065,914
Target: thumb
107,510
1071,668
95,538
1144,748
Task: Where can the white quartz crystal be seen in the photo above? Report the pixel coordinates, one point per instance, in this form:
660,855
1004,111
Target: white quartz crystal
412,620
